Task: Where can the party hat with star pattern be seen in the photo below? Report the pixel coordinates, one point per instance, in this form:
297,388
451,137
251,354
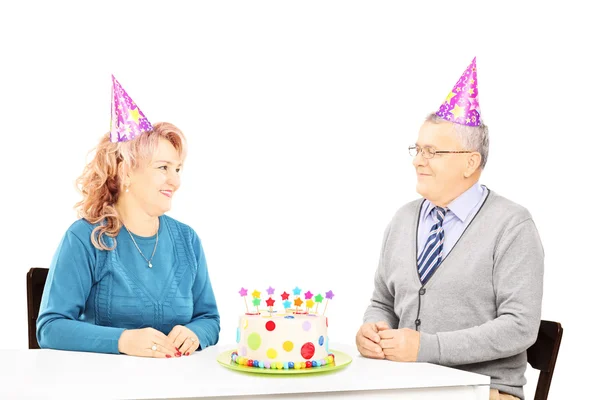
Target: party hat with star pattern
462,103
127,120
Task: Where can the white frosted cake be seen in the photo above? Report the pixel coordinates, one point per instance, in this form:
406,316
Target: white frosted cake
282,340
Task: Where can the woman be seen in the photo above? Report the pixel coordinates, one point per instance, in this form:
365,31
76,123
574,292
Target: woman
126,278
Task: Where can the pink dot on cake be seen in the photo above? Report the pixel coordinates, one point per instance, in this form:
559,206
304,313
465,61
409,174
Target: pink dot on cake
306,326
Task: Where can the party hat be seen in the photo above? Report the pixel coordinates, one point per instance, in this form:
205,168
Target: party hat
127,121
462,103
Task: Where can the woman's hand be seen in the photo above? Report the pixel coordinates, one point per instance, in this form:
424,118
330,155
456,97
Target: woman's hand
147,342
184,340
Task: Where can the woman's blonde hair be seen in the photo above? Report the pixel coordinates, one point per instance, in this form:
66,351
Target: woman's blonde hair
102,179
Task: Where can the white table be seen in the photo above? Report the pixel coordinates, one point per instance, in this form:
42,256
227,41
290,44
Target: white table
61,374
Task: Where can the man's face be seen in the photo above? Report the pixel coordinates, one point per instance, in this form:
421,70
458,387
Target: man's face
438,178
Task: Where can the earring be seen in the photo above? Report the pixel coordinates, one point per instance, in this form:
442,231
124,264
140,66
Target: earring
127,189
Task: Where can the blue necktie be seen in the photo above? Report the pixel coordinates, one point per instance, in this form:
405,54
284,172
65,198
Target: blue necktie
431,256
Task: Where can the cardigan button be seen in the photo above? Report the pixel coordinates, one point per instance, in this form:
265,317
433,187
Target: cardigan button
417,322
422,291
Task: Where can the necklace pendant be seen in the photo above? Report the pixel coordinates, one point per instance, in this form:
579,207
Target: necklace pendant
149,264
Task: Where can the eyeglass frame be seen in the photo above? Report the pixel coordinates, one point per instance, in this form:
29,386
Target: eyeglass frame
416,147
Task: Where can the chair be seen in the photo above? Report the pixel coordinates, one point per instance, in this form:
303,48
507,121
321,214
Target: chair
542,355
36,279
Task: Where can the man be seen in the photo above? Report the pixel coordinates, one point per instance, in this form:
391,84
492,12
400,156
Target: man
459,282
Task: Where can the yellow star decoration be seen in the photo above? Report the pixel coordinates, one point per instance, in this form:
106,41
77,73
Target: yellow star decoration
471,91
256,294
471,81
310,303
450,96
458,111
298,302
135,115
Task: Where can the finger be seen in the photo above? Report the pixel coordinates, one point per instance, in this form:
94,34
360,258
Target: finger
368,332
178,342
369,345
174,333
388,333
391,354
195,345
167,347
188,346
382,326
370,353
387,344
158,350
195,348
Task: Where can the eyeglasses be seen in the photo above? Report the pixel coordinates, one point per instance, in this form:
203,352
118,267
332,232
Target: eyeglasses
430,152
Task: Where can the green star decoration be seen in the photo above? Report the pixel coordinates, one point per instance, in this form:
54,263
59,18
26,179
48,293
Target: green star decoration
256,301
319,298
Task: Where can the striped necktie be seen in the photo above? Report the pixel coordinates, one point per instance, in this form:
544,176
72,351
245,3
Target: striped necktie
431,256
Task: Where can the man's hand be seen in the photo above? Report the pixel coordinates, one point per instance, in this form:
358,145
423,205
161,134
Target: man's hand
367,340
400,344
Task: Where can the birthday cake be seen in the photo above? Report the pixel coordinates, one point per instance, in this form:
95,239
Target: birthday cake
292,338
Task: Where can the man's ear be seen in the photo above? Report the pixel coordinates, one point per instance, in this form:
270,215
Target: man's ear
473,163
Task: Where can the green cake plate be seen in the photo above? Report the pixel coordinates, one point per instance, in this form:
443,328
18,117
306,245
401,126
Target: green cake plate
341,360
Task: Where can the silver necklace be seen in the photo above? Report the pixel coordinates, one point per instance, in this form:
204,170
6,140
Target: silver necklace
137,247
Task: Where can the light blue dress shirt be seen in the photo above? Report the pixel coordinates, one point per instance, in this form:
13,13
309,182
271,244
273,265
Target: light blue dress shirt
460,213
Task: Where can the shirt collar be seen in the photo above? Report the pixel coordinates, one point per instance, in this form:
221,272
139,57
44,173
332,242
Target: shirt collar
463,204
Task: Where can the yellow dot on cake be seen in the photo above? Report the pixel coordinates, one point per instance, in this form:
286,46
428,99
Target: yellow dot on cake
271,353
288,346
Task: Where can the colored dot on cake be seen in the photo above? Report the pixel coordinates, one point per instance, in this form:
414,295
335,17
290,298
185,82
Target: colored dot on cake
288,346
307,350
237,335
272,353
270,325
254,341
245,323
306,326
243,351
321,340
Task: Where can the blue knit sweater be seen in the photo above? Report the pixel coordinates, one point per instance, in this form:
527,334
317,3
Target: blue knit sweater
91,296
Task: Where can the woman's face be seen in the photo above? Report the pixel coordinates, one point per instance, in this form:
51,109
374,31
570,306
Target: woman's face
153,184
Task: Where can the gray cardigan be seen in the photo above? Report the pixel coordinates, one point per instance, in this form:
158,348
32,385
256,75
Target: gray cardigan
481,309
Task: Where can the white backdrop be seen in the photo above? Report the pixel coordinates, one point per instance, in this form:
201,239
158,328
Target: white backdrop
298,116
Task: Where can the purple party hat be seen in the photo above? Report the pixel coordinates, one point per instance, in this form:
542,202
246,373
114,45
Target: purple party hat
127,120
462,103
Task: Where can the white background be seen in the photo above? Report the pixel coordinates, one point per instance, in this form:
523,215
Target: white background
298,116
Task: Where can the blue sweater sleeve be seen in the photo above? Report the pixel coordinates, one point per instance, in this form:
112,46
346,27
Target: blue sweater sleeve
205,321
66,292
